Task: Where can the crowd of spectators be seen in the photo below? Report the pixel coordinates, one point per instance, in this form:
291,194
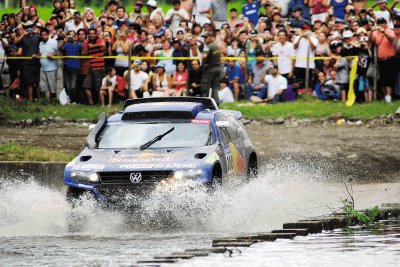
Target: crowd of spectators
293,32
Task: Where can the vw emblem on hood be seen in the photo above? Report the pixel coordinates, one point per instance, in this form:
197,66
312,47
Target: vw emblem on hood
135,177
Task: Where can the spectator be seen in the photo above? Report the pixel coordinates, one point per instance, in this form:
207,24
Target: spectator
137,12
339,8
202,11
166,51
92,83
304,45
76,24
384,37
384,12
234,18
72,65
251,10
225,93
211,61
108,86
298,20
121,48
48,71
195,77
29,43
326,89
285,52
180,80
161,81
342,69
276,85
256,87
319,10
364,54
175,15
219,12
153,12
139,80
235,78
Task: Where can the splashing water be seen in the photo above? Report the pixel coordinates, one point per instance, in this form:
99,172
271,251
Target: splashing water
279,194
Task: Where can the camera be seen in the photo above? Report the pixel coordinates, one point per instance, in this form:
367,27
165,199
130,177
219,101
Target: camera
70,37
103,23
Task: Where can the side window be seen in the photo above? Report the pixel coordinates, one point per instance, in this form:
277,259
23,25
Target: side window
225,138
224,132
235,128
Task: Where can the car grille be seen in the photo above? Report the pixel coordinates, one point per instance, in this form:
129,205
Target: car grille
124,178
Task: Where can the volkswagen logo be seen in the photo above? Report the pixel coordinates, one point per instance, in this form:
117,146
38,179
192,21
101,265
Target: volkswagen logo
135,177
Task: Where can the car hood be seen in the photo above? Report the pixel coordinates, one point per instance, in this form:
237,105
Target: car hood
154,159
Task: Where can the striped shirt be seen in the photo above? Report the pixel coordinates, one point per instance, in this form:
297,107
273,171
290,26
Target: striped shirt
97,63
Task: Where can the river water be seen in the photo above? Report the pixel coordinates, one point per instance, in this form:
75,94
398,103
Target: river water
34,224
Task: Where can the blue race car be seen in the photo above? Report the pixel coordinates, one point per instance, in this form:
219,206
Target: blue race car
158,139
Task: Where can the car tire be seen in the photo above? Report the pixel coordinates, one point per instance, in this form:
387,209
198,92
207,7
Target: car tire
252,170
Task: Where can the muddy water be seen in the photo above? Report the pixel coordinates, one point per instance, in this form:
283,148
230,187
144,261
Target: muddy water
34,221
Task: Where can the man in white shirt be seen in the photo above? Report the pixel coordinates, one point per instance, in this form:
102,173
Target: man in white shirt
153,11
175,15
304,45
76,24
138,80
284,50
225,93
202,11
276,85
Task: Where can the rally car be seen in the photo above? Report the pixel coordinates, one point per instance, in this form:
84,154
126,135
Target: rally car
161,139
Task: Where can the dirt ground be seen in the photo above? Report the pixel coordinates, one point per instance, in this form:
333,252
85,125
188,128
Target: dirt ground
360,152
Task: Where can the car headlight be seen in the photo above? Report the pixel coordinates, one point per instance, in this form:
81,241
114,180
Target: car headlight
188,174
86,177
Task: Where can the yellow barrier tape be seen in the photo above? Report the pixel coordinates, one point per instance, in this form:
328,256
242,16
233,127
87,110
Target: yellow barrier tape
351,96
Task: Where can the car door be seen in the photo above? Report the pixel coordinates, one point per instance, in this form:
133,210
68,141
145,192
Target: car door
225,141
237,146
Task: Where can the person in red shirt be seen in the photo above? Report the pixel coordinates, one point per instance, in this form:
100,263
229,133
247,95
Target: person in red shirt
384,37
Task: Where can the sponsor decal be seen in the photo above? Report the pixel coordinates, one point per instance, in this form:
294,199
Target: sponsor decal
212,158
89,167
156,166
136,166
201,121
238,163
141,158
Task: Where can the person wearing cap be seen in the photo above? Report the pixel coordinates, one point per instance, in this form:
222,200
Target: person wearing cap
137,11
211,67
175,15
153,12
304,45
178,51
161,81
75,24
298,20
384,12
276,85
349,46
234,18
138,81
251,10
383,37
365,55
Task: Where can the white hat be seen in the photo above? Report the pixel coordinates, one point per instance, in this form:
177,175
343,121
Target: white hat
152,3
347,34
336,35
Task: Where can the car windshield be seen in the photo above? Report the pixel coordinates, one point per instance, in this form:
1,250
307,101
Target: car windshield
134,135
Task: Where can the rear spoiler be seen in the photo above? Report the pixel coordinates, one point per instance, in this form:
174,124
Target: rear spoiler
209,103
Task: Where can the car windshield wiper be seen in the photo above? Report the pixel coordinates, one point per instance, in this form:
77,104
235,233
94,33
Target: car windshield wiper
155,139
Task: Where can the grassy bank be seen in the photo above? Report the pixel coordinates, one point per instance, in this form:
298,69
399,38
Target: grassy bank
308,107
12,151
313,108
